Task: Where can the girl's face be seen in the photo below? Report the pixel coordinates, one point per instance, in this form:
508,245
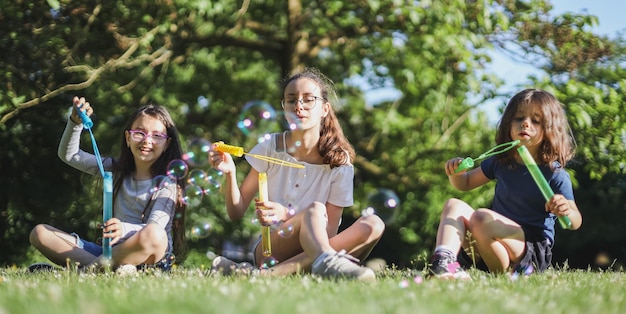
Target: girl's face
147,140
528,126
304,97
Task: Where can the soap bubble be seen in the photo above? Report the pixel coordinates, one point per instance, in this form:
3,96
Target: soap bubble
197,177
177,168
257,120
161,181
193,195
200,229
197,154
285,230
384,203
268,262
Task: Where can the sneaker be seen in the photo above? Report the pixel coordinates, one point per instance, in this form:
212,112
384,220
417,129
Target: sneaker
446,267
341,265
224,266
40,267
126,270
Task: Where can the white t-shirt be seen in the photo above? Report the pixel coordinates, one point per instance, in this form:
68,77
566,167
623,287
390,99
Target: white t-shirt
298,188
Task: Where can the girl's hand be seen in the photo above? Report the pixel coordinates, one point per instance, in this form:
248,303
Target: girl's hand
112,229
221,161
452,165
80,104
270,213
558,205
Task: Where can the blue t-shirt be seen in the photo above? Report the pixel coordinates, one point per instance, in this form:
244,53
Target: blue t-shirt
518,197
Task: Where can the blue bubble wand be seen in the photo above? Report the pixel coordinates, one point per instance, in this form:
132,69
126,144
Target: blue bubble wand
107,195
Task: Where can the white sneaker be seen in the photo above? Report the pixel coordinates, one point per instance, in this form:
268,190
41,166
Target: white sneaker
342,265
126,270
224,266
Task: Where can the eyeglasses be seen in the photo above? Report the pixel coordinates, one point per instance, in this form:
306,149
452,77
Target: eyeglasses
138,136
307,102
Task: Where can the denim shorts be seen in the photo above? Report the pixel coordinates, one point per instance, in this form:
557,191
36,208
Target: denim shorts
165,264
91,247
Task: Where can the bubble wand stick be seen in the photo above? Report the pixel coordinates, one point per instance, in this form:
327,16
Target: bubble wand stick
541,182
107,193
266,243
238,151
469,162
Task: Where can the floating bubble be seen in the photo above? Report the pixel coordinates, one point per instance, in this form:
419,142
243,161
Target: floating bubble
268,262
383,203
257,120
200,229
198,153
285,230
193,195
177,168
161,181
211,187
197,177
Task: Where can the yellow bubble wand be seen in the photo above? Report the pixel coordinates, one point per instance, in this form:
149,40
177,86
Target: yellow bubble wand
238,152
266,243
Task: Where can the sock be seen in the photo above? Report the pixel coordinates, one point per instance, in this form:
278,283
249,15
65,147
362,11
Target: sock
443,250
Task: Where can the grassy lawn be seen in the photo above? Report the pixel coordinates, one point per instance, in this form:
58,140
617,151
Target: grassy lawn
195,291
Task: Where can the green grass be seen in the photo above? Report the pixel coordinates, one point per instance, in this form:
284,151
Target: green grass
194,291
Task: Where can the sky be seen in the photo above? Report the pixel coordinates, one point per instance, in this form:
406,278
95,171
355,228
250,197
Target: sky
611,20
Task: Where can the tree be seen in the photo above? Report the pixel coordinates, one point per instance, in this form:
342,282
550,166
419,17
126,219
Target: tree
206,59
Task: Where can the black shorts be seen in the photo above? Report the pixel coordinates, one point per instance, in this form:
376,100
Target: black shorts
538,253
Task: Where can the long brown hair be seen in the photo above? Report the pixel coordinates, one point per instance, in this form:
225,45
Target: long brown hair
333,145
558,141
125,166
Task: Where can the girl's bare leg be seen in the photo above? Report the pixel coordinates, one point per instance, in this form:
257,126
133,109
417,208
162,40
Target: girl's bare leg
499,240
58,246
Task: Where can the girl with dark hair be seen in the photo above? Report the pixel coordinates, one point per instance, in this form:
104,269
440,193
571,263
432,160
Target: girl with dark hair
309,200
517,234
147,227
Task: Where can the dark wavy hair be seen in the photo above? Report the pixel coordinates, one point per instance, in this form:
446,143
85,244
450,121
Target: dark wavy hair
333,145
125,166
558,141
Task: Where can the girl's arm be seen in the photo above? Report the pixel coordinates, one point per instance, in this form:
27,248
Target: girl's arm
560,206
334,216
464,180
238,198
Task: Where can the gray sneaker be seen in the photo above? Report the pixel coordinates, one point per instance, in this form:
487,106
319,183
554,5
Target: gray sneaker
342,265
224,266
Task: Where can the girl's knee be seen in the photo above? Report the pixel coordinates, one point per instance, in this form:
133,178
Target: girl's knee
480,218
152,235
37,233
371,227
376,225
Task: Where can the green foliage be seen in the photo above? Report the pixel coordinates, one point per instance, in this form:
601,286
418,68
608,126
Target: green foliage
124,54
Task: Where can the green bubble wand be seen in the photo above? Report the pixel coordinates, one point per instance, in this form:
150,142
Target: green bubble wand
543,185
499,149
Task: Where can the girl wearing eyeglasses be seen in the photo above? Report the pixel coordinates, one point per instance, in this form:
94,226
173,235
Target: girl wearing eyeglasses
308,201
147,227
